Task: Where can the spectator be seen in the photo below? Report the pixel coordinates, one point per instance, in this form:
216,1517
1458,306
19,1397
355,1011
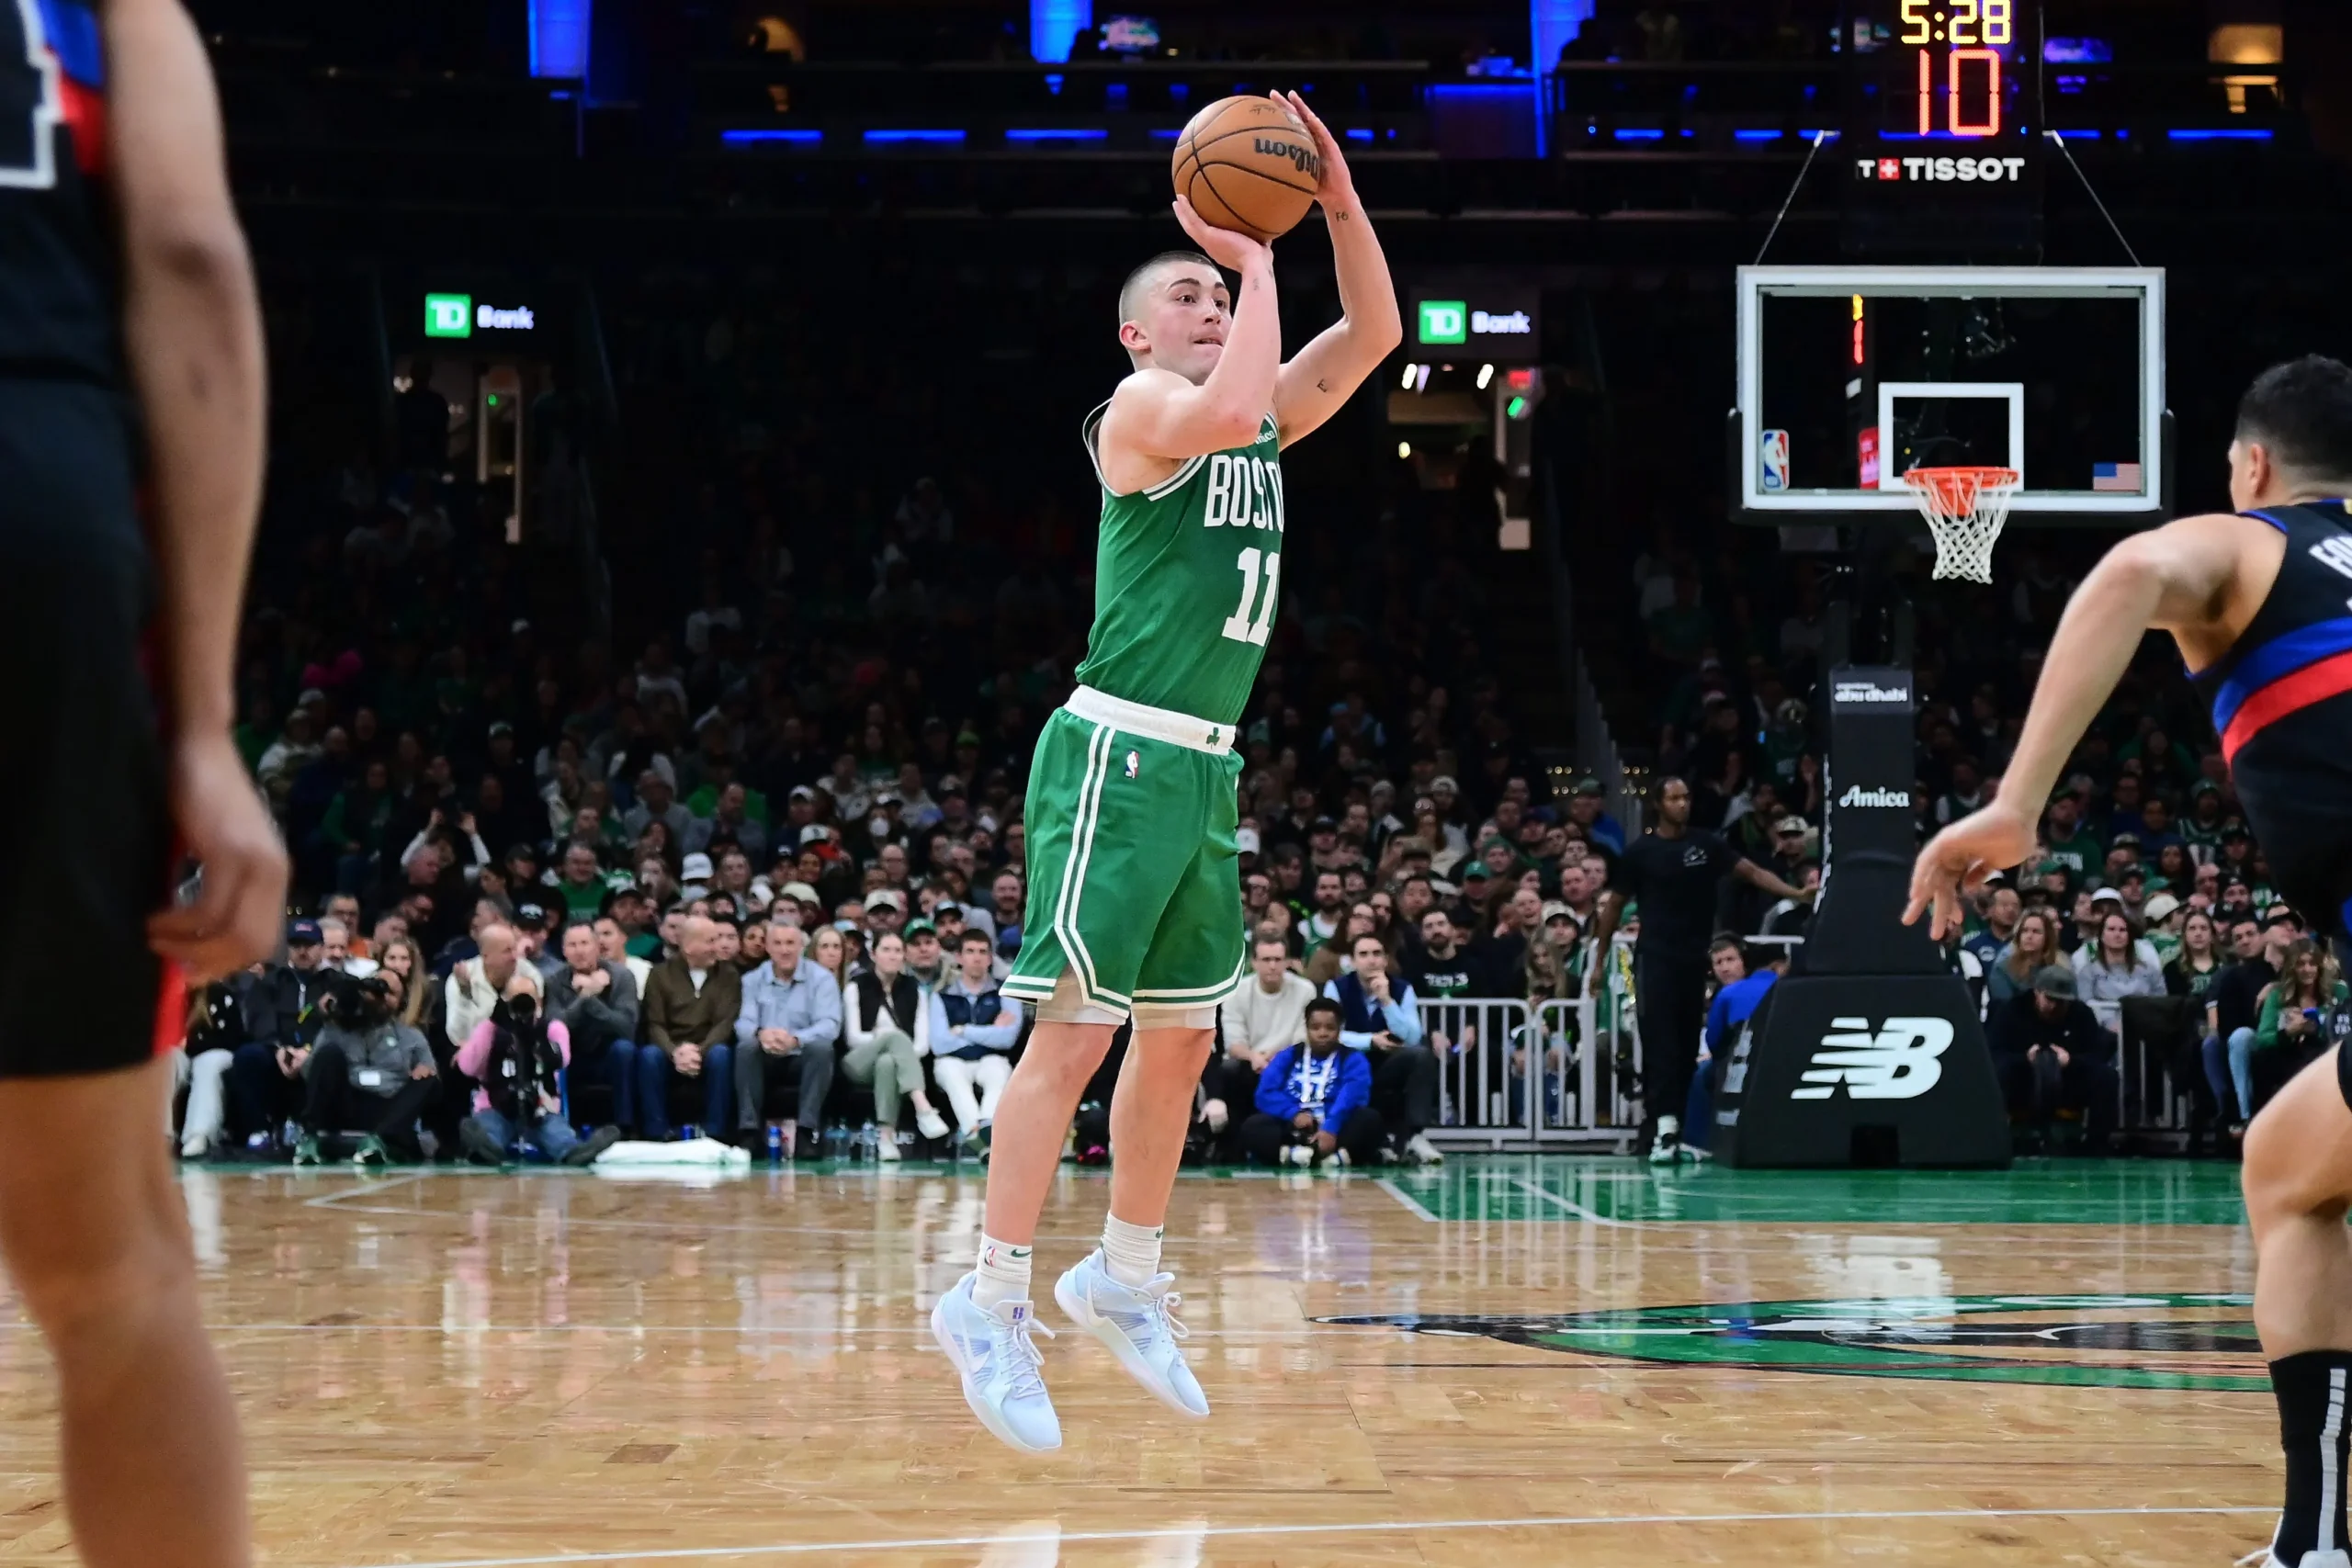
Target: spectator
1378,1017
2235,1005
1587,809
1313,1100
2117,963
516,1056
890,1032
732,821
2031,947
367,1071
216,1027
2051,1054
657,801
1330,912
1332,959
786,1026
2305,1012
1266,1014
282,1010
583,884
594,999
973,1031
691,1004
613,946
1998,927
1742,988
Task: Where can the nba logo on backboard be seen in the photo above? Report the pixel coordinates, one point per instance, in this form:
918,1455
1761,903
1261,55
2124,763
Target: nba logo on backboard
1776,460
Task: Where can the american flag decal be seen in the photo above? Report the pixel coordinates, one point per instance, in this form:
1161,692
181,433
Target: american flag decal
2116,477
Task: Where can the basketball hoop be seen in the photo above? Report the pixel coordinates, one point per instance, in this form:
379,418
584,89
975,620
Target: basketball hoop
1964,508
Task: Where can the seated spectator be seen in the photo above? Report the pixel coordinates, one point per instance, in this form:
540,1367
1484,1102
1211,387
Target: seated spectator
216,1027
787,1025
2031,947
889,1031
516,1056
973,1032
1313,1100
2116,963
1266,1014
1742,987
1378,1017
368,1072
2052,1054
2306,1010
594,999
2234,1007
282,1015
691,1004
1332,959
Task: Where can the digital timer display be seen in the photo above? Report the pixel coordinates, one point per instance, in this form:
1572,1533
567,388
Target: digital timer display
1954,68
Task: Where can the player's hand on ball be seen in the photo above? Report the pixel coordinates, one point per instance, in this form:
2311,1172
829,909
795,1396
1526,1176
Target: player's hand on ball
234,918
1234,252
1338,186
1958,859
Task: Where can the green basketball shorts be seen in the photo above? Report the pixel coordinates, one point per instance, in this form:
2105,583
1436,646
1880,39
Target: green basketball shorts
1135,887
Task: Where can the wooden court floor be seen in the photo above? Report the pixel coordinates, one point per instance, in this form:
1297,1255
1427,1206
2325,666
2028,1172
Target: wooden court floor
1513,1361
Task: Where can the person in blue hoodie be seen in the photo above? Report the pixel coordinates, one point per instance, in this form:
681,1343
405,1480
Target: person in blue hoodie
1745,976
1315,1100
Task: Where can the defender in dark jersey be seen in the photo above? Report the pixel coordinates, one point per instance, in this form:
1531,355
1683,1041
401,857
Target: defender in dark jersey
130,381
2261,605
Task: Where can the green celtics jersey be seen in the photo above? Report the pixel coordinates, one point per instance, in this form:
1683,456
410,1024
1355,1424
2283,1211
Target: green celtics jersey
1186,577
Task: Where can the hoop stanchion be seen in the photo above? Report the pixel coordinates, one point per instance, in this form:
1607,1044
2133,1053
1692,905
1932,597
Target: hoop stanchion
1964,508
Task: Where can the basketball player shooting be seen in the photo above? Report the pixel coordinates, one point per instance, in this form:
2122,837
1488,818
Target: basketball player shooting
1133,881
2256,603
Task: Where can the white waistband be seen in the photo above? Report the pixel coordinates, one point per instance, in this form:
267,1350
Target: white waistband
1156,724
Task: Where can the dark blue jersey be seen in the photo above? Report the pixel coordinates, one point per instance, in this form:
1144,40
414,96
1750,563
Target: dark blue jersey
60,304
2281,700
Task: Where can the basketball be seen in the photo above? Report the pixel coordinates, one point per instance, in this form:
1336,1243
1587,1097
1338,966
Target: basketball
1247,164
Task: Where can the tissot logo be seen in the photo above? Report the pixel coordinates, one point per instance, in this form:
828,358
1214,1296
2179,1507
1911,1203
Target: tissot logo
1868,692
1857,795
1897,1062
1993,170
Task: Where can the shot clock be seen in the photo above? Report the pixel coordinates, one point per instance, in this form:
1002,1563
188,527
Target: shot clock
1942,137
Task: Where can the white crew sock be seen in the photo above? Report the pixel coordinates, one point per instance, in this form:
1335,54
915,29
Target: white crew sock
1001,1273
1131,1253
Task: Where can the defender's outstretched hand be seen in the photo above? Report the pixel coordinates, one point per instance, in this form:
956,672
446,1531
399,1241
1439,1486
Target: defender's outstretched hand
1958,859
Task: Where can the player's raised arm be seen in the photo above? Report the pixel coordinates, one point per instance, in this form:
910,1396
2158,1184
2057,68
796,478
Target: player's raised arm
1159,413
1331,367
2171,577
192,328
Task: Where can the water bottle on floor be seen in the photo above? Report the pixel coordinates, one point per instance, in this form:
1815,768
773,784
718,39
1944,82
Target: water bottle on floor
867,1142
775,1145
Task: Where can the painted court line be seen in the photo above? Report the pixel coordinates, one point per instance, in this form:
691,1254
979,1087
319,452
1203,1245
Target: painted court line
1573,1210
1398,1527
1405,1198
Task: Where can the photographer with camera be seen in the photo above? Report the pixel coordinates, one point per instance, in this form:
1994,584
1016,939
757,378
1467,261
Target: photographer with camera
516,1056
369,1071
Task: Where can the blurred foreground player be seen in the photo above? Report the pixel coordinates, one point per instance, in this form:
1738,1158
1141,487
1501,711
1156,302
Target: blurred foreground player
1134,873
2257,602
122,273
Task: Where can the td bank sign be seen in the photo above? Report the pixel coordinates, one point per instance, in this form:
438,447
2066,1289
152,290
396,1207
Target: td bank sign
1503,323
456,315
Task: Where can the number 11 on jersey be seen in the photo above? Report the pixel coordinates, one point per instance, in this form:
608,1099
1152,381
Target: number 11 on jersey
1238,626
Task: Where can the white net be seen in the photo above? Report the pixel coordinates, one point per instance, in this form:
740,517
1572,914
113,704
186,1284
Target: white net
1965,509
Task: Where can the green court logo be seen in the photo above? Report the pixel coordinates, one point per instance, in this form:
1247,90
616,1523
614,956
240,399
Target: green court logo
2091,1341
448,315
1446,321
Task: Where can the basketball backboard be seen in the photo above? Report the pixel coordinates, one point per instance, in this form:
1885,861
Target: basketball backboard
1851,374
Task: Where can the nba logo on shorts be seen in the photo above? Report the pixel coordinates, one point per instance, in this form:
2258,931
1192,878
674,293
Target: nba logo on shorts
1776,460
1135,764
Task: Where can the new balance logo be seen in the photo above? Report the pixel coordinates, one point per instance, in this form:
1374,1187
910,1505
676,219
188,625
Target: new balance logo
1898,1062
1857,795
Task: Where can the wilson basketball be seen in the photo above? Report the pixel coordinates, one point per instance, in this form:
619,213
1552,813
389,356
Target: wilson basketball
1248,165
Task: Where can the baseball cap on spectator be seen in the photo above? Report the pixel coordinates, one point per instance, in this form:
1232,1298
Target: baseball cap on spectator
2107,896
799,893
919,926
885,898
1474,872
695,867
1322,825
802,792
885,797
967,737
303,933
1445,782
1557,911
530,917
2126,839
1588,786
2159,907
2203,787
500,727
1789,825
2056,981
1246,840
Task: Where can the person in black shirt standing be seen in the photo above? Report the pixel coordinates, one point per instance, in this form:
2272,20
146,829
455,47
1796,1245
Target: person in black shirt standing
1673,872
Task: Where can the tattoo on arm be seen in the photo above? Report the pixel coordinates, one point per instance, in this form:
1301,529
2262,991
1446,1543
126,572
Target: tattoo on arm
1322,386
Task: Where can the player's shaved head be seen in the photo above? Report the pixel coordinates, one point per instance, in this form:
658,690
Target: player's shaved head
1141,281
2300,412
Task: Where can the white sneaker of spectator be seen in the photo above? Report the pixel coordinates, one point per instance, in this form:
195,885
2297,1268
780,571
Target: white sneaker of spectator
993,1353
1667,1147
932,1124
1420,1151
1138,1325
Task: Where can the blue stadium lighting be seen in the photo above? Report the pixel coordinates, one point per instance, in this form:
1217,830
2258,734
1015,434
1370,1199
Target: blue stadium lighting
2080,135
1162,135
1636,135
1054,23
559,37
1757,135
2248,134
882,136
1057,134
1357,133
751,138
